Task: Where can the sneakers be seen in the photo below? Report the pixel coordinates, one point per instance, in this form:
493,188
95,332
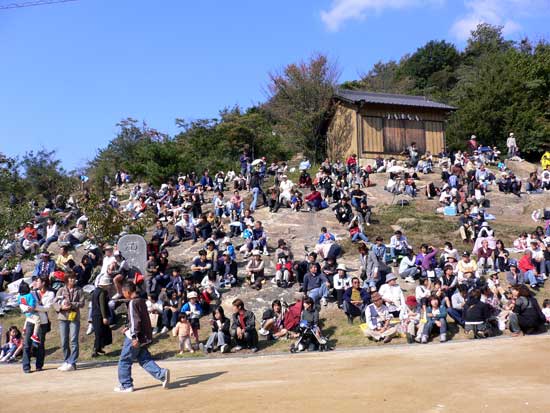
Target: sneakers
324,302
265,252
120,389
90,329
166,380
410,279
155,331
35,339
223,348
62,367
164,330
254,349
237,348
443,338
117,296
263,332
424,339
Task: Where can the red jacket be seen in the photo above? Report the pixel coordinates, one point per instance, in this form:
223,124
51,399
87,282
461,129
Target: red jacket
525,264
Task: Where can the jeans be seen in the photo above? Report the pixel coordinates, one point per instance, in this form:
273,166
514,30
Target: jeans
215,339
127,356
394,253
255,193
45,243
409,272
316,293
428,327
68,333
456,315
533,279
40,351
359,235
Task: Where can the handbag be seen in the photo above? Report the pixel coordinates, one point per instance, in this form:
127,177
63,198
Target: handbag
71,316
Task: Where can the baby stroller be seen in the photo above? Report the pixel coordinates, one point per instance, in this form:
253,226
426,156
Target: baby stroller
307,339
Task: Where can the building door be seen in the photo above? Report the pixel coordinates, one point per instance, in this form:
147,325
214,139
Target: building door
394,136
414,132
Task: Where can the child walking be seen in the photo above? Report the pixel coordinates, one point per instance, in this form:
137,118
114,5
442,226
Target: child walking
182,330
27,304
138,335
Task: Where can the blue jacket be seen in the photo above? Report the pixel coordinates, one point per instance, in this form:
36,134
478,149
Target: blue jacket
42,270
442,313
365,295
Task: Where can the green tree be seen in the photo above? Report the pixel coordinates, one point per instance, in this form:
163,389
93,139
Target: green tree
299,99
44,175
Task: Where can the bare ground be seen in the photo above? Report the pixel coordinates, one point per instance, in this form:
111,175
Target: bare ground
504,375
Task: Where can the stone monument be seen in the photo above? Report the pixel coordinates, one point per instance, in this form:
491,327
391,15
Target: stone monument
134,249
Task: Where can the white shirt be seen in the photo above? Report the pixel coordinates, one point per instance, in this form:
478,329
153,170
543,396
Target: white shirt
341,283
393,294
399,243
51,231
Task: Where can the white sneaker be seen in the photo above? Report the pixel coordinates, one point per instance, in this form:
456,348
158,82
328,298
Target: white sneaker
324,302
62,367
265,252
119,389
223,348
263,332
166,380
155,331
410,279
68,367
116,296
164,330
90,329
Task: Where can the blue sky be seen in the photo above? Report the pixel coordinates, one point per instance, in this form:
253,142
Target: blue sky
71,71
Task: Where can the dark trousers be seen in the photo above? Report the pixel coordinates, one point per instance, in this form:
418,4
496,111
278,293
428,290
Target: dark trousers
40,351
249,340
352,310
169,318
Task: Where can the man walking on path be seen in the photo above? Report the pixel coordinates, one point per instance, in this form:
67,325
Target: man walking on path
139,335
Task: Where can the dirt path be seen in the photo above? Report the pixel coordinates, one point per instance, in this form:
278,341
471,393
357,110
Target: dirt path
505,375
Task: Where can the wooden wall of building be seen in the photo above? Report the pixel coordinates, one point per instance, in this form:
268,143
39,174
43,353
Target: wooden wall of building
378,129
343,133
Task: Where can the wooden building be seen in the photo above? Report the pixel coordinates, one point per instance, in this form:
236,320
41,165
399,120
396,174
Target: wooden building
369,124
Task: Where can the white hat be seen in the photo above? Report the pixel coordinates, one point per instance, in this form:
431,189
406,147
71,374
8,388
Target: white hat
473,137
341,267
192,294
485,224
511,133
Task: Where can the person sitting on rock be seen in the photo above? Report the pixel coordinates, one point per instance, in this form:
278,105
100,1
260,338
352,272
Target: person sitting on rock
201,266
378,320
272,324
343,211
255,270
316,285
283,267
243,327
259,238
355,299
341,282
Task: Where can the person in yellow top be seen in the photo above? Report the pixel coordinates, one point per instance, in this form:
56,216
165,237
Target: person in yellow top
63,258
545,160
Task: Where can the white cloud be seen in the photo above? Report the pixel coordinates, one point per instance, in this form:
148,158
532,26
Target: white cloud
497,12
343,10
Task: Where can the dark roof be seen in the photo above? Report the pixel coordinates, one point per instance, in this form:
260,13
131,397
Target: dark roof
356,96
